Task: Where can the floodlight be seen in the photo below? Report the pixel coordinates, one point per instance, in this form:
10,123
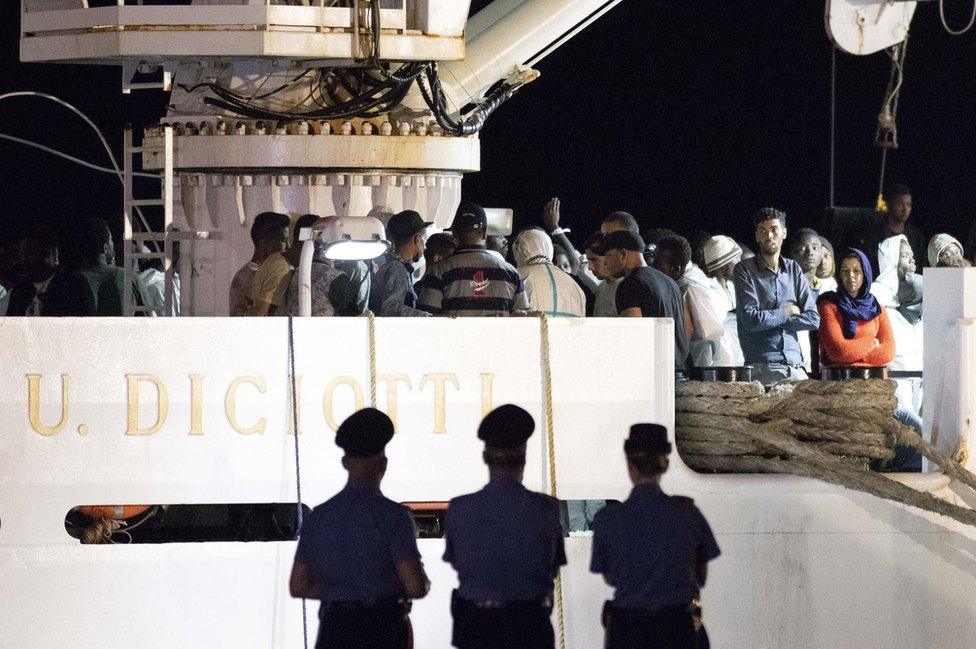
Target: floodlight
342,238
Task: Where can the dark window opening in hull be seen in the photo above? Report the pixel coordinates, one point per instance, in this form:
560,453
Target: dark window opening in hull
242,522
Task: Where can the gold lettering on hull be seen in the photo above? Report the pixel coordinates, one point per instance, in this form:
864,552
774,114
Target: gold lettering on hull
487,382
34,405
392,381
162,404
230,405
439,380
327,398
196,404
137,383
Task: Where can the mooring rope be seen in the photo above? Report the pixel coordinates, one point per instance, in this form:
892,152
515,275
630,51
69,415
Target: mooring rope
298,464
551,447
371,334
827,430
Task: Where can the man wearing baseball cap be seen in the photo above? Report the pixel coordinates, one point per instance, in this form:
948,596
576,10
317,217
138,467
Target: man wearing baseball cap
473,281
392,291
645,292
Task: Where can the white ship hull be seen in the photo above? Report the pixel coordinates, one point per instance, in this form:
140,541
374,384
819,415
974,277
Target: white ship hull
804,564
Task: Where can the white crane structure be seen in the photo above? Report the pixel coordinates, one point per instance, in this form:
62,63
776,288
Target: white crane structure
307,106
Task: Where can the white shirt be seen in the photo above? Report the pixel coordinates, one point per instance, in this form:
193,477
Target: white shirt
605,303
152,282
715,341
548,288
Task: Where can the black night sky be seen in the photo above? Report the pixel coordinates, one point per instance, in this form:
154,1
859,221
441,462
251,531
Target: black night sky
688,114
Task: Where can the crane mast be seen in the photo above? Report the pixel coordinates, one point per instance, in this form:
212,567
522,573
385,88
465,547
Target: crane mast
369,107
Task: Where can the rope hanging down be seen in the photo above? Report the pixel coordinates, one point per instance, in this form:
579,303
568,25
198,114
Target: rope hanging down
551,447
886,134
814,429
293,382
371,336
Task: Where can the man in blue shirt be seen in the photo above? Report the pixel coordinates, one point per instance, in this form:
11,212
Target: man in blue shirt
357,552
653,549
773,303
506,544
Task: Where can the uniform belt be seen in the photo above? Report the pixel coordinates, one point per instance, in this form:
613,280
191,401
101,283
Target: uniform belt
611,609
503,605
364,605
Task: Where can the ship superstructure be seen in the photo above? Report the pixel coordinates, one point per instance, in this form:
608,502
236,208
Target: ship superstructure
200,410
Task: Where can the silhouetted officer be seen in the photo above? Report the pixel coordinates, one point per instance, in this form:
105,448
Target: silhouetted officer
357,552
654,550
506,544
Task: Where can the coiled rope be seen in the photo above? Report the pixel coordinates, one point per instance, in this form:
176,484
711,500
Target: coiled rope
551,447
103,529
827,430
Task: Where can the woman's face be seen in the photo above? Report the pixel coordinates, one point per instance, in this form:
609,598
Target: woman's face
906,260
826,264
851,275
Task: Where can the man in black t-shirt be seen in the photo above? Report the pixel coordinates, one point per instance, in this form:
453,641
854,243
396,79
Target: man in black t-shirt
645,292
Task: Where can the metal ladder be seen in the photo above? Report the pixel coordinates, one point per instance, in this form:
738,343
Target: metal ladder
167,238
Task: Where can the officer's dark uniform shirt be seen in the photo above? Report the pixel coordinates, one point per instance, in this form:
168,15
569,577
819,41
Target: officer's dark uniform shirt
353,542
505,542
647,548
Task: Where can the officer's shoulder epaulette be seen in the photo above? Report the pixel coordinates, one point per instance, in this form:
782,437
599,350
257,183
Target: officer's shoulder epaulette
684,500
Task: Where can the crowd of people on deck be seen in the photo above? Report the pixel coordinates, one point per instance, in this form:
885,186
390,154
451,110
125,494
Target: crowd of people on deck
38,279
782,308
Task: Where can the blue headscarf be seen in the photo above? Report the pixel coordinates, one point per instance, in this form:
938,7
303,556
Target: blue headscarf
861,308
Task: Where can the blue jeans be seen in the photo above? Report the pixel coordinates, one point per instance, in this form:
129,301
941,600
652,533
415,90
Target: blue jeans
907,458
770,373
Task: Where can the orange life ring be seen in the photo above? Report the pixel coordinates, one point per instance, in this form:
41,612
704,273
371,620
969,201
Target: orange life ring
113,512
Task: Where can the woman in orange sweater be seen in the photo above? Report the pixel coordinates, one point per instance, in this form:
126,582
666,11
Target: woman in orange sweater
854,327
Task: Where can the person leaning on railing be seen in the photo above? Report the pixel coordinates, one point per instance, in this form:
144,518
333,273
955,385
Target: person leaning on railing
855,331
854,326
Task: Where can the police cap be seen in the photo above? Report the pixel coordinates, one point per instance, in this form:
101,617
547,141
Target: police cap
647,439
506,427
365,433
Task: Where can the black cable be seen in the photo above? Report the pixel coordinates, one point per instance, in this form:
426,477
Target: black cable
270,93
298,464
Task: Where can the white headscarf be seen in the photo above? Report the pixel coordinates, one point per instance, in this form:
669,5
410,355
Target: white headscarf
532,245
885,287
938,244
